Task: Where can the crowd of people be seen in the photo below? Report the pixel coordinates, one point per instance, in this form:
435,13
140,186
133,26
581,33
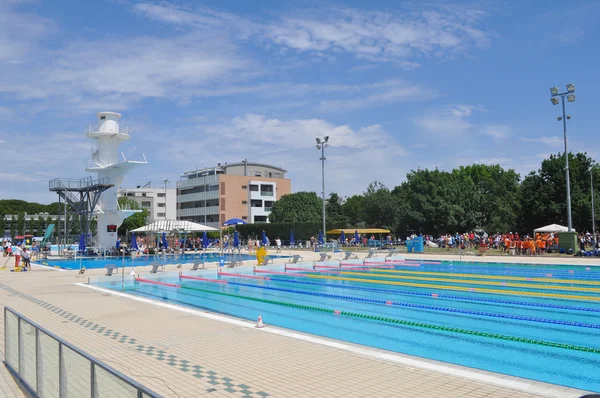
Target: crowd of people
20,252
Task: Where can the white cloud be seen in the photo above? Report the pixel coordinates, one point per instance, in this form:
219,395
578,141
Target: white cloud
354,158
553,141
450,121
497,132
401,37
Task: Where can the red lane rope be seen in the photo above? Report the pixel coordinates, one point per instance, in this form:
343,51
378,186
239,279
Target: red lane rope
202,279
244,276
157,282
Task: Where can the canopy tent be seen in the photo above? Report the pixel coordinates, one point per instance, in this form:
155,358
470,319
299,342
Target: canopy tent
174,225
552,228
360,231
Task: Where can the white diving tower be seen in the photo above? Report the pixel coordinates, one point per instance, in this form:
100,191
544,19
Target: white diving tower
108,162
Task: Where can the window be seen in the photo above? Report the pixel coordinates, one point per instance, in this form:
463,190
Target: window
254,188
213,187
161,195
244,202
160,204
257,174
260,218
244,217
146,203
244,187
212,202
102,117
160,214
256,203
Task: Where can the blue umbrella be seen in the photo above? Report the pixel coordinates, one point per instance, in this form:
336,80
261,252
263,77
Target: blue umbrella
204,240
343,237
356,237
234,221
321,241
292,240
164,241
82,243
118,244
264,238
236,239
134,245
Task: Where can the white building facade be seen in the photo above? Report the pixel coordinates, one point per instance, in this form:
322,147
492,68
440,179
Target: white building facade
161,204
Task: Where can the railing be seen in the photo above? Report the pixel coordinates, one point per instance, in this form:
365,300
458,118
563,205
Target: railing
105,161
268,208
68,183
47,366
266,193
94,130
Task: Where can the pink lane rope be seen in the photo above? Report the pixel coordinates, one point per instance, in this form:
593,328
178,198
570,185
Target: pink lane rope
264,271
244,276
157,282
202,279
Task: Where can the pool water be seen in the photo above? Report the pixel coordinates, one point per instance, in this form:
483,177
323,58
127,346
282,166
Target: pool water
537,322
129,261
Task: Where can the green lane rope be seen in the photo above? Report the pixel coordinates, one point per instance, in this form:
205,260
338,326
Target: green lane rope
406,323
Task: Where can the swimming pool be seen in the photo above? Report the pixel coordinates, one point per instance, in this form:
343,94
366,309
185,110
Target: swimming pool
537,322
129,261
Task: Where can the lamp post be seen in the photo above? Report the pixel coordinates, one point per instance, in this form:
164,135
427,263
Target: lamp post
166,181
571,98
321,145
593,209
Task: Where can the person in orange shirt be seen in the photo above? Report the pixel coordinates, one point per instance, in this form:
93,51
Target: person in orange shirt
543,246
519,246
538,245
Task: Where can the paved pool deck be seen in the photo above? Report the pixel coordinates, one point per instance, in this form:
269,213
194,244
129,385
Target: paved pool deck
194,353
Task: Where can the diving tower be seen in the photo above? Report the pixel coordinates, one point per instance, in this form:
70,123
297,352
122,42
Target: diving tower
112,165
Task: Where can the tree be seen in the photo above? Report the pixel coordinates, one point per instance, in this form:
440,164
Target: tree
335,212
354,209
40,226
20,227
380,207
136,220
2,224
297,207
543,195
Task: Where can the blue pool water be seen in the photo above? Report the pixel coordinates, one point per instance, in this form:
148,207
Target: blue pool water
101,262
558,304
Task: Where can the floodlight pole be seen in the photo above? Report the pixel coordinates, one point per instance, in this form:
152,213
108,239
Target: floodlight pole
593,207
321,144
564,118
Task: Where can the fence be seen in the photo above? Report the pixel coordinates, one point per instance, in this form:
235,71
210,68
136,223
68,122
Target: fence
47,366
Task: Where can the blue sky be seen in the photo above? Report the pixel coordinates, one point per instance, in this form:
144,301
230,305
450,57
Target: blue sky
395,85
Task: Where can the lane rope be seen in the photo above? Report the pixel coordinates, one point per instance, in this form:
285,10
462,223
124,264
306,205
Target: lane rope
404,322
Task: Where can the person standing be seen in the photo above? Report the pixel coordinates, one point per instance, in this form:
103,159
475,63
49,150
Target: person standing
278,244
16,250
26,259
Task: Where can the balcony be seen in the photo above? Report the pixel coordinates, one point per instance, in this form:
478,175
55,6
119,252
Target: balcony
266,193
268,208
91,130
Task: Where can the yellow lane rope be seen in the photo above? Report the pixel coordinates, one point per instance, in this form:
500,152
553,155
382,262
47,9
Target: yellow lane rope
461,288
479,276
466,281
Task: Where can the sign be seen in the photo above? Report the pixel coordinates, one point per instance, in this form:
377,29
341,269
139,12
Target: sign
111,228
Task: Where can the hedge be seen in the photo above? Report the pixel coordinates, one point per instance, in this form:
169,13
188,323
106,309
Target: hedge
302,231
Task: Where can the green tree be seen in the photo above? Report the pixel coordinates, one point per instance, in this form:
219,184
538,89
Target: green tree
2,224
543,196
40,226
134,221
380,206
297,207
335,212
354,209
20,224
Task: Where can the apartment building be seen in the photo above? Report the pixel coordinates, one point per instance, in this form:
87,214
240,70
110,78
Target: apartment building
245,190
160,202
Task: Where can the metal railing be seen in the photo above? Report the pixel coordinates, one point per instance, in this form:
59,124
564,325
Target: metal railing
82,183
46,366
95,130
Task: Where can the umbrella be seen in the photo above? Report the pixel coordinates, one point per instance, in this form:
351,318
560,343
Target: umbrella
343,238
134,245
204,240
234,221
264,238
292,240
118,244
356,237
236,239
164,241
321,241
82,243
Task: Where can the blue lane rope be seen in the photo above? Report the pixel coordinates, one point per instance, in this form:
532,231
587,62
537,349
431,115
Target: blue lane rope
444,296
422,306
534,272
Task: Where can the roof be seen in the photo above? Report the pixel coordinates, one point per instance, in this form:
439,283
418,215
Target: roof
360,231
174,225
223,166
553,228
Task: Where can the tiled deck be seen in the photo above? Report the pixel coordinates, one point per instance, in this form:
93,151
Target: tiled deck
182,354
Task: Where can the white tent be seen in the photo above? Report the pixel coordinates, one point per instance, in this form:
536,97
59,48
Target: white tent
552,228
174,225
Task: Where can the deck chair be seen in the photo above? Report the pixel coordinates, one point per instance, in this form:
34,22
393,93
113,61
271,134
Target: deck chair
155,266
348,255
372,253
110,268
324,256
391,252
267,260
195,266
295,259
233,263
